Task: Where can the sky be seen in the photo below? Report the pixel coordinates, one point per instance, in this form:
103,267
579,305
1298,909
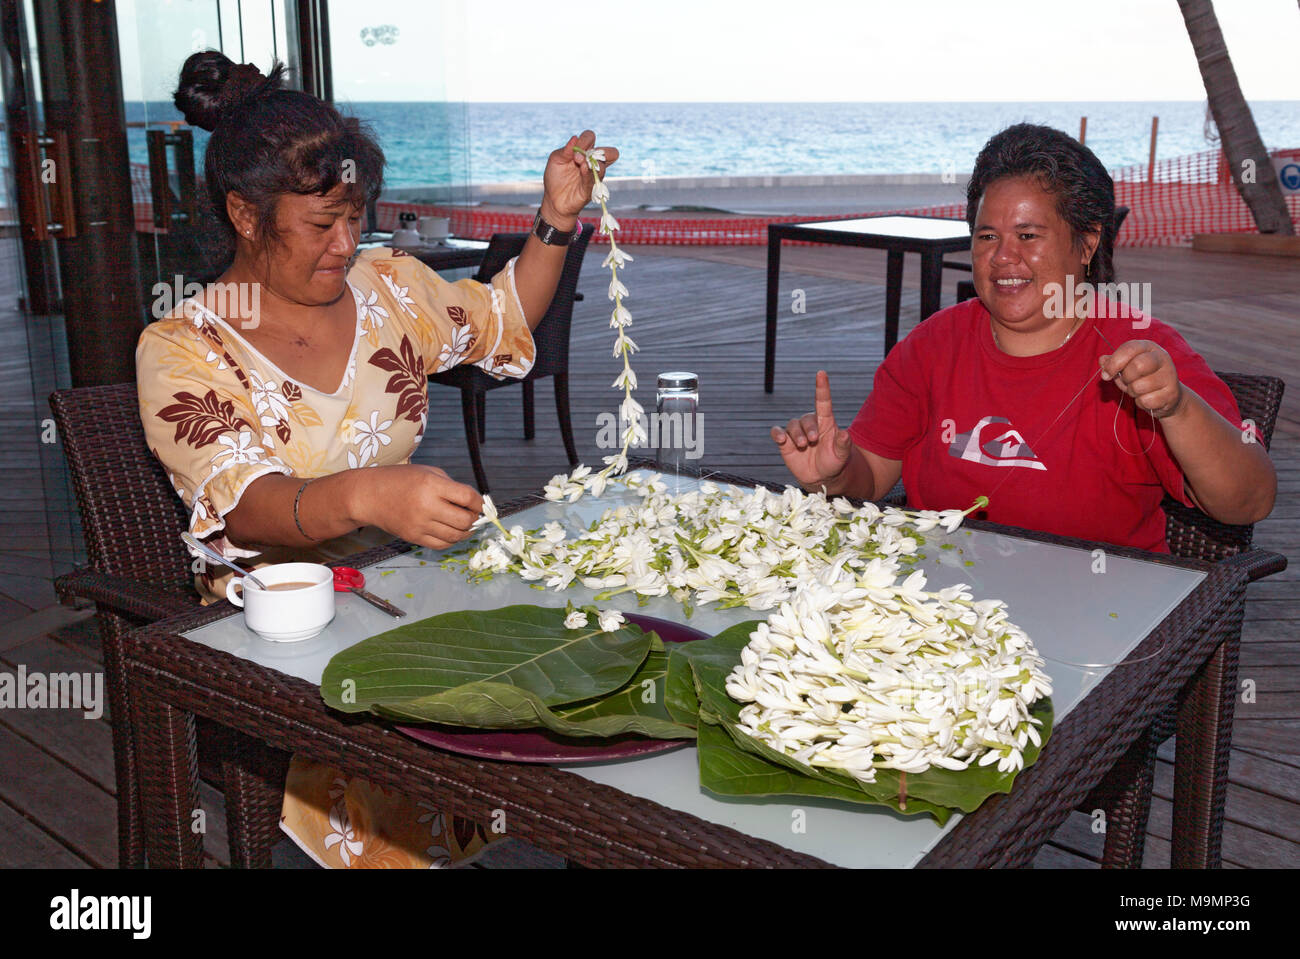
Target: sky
737,50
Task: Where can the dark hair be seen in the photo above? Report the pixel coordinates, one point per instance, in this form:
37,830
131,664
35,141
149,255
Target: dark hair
1084,191
268,141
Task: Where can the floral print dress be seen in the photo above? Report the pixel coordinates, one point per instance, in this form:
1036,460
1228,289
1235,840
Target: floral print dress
219,415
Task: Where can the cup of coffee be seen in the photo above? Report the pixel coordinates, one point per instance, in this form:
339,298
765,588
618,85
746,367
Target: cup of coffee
434,227
298,601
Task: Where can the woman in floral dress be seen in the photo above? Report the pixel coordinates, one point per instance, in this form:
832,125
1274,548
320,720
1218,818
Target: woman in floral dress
286,400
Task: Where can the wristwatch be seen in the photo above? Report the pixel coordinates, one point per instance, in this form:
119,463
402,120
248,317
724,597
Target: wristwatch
554,236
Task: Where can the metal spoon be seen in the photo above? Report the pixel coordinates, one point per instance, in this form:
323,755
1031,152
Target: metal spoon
212,554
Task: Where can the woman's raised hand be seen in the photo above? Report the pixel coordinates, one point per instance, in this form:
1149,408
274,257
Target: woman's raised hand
421,504
568,180
815,450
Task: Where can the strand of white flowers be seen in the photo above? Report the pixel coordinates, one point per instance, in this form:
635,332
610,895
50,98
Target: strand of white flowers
629,410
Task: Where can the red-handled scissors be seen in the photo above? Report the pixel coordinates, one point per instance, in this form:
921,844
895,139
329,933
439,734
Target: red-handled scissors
349,580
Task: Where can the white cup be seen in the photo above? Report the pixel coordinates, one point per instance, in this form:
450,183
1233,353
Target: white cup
288,615
434,227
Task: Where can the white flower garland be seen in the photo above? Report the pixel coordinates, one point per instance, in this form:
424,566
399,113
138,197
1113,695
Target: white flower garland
630,411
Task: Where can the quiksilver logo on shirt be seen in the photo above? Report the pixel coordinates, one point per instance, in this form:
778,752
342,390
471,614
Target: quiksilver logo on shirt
995,442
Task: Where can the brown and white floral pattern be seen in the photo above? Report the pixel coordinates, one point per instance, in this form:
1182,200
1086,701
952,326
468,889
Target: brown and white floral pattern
219,414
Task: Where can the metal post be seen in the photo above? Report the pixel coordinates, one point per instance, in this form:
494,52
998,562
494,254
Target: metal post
1151,160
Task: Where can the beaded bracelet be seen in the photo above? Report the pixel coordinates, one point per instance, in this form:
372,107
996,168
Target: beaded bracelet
297,522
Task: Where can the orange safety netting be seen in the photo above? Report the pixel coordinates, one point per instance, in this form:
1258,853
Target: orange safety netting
1181,197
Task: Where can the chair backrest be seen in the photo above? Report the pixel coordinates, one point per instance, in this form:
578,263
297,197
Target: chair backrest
502,248
1190,532
552,333
131,517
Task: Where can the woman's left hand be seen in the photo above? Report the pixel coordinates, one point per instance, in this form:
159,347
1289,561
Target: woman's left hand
568,180
1146,372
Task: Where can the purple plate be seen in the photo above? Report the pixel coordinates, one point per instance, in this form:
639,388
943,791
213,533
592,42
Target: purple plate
544,746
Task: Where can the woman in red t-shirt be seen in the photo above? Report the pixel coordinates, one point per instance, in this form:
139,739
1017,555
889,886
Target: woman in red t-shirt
1072,413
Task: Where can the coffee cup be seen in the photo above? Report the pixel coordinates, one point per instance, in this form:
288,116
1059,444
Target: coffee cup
297,603
434,227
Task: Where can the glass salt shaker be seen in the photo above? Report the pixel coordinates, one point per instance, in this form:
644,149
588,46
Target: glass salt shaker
677,402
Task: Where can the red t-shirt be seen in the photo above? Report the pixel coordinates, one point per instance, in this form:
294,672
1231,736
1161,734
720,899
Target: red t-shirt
967,420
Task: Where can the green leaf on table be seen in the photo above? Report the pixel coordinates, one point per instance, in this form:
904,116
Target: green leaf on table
679,690
728,770
717,655
636,708
527,647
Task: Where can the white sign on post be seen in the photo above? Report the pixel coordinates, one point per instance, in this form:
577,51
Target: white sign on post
1288,174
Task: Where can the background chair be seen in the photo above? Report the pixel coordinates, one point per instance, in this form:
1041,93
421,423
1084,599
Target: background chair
140,572
1125,793
551,338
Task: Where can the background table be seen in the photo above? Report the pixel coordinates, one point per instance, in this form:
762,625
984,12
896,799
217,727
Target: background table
929,236
652,810
452,253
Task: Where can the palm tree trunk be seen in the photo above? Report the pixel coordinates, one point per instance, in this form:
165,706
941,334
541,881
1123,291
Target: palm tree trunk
1237,131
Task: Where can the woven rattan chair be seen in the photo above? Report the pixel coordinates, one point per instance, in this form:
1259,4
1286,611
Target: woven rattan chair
1125,794
140,572
552,339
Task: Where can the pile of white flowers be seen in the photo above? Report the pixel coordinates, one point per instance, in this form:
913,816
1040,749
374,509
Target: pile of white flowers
866,674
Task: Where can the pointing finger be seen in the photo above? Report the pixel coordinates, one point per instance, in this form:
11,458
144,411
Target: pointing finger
825,415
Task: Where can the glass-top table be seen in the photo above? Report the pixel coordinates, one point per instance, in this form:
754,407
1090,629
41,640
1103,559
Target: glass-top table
1076,615
930,237
449,253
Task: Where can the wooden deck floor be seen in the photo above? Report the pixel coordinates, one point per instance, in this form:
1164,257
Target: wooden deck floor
699,309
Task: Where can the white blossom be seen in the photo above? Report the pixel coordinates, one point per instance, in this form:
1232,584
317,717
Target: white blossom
610,620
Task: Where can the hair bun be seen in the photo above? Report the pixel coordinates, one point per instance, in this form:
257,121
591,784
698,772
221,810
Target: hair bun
212,86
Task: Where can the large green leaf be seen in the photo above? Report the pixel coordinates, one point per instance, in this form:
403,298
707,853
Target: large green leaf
527,647
729,770
716,657
679,689
936,791
636,708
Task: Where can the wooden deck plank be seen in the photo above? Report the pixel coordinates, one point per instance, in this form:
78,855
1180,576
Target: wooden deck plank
61,801
85,745
1255,655
27,846
1271,735
1243,847
1248,807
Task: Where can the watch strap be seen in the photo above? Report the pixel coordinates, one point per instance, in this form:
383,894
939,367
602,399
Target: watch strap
552,235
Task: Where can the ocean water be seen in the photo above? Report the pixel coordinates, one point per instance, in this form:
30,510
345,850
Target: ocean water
458,143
